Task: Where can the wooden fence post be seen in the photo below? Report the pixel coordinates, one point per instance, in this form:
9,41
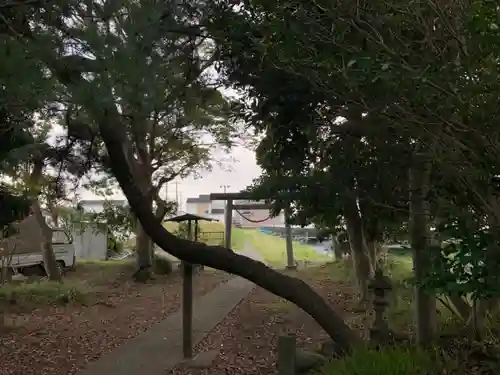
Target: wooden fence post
286,361
187,310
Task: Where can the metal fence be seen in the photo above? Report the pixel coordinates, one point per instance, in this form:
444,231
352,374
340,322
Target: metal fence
212,238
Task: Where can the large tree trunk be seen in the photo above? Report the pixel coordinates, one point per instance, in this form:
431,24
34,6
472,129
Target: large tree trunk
292,289
337,250
144,246
425,300
143,243
374,252
483,307
49,258
370,224
359,254
144,254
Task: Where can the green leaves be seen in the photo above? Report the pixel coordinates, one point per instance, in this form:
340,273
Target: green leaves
465,264
14,207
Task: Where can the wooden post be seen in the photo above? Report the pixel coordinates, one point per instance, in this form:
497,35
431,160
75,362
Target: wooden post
196,236
187,305
290,262
228,223
196,230
286,358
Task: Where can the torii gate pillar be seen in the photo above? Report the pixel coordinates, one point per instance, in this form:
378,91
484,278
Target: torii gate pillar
228,222
290,261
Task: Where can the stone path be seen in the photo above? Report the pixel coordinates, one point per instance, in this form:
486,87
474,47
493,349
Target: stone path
159,349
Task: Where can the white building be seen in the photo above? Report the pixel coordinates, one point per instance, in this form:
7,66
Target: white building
203,206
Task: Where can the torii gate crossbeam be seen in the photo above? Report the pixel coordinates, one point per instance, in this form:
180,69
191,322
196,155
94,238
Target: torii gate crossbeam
228,219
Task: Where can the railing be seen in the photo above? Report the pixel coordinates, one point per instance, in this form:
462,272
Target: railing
212,238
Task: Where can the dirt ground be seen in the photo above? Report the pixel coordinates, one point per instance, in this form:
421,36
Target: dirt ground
247,337
58,340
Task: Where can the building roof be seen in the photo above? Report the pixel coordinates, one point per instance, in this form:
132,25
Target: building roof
202,198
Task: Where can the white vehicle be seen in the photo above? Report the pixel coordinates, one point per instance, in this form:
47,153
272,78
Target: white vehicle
30,263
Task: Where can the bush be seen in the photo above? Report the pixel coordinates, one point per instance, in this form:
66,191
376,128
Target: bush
162,266
45,292
387,361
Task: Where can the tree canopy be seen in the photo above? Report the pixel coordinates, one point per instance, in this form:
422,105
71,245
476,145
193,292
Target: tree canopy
376,116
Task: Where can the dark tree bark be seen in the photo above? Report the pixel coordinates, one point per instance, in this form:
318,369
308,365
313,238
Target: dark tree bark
359,254
425,300
292,289
113,133
49,258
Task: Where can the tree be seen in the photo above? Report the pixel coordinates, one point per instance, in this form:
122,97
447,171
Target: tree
350,73
407,66
101,109
175,116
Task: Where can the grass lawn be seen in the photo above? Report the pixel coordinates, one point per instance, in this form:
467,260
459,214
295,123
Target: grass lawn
271,248
85,283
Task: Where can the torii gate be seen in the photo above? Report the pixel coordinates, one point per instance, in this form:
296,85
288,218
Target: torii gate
228,219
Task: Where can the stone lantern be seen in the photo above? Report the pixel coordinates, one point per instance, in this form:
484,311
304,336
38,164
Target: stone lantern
380,286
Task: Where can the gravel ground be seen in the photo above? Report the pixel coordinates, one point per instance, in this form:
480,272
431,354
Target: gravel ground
61,340
247,337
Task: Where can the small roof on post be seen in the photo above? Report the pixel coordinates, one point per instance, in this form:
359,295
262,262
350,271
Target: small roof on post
190,217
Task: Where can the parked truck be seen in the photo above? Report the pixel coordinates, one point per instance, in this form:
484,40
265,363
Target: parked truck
30,264
26,256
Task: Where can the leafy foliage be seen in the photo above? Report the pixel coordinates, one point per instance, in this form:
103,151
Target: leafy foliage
465,265
118,218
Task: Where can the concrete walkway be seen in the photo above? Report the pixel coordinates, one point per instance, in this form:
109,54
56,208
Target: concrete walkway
159,349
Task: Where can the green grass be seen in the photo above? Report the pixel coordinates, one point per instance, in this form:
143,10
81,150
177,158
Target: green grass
386,361
399,267
206,227
271,248
104,263
238,238
80,286
45,292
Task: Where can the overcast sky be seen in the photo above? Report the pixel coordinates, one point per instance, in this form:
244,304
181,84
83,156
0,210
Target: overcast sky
237,174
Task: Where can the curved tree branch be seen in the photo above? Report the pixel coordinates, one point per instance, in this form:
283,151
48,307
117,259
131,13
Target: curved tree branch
292,289
113,133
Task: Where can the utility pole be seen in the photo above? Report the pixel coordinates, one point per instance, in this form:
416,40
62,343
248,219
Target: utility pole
179,206
177,193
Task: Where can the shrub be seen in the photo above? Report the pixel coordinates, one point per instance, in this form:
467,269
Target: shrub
45,292
387,361
162,266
